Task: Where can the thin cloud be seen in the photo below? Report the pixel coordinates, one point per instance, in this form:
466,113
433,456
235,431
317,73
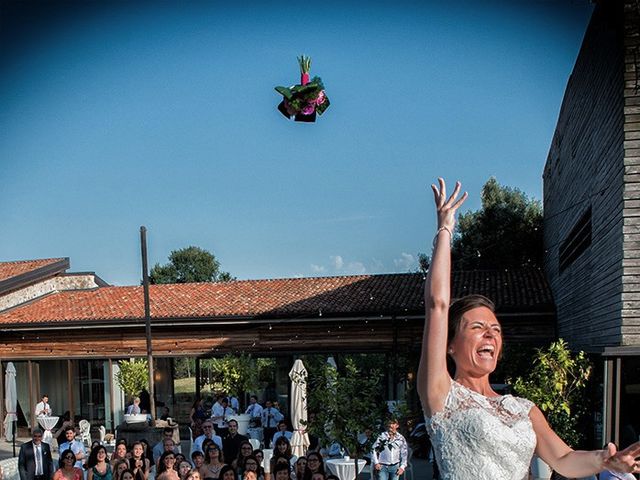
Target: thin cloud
406,262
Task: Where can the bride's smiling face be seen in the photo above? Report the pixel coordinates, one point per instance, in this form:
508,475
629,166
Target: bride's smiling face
477,344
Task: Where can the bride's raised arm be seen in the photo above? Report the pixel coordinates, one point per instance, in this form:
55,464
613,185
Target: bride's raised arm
433,379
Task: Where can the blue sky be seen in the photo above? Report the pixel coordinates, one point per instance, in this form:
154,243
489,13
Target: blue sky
120,114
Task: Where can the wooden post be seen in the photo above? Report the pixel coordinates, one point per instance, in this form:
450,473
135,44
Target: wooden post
2,402
32,407
198,385
111,398
70,388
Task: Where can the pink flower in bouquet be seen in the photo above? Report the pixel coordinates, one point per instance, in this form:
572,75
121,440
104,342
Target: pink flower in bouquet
321,98
308,109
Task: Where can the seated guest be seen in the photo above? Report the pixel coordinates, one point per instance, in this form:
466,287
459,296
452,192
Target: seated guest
118,468
76,446
197,459
315,466
167,446
231,444
282,450
97,466
138,463
194,475
281,472
227,473
298,468
166,466
282,432
66,467
246,450
184,468
213,461
207,427
197,416
158,448
119,453
134,408
251,465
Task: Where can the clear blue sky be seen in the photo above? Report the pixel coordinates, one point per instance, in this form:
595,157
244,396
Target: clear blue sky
120,114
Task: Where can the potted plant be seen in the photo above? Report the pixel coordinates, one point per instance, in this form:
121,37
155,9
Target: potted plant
555,384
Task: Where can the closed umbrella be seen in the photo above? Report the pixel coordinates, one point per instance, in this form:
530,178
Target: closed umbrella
299,439
11,401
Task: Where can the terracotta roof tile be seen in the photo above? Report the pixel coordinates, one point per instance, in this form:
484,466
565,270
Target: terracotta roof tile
390,294
12,269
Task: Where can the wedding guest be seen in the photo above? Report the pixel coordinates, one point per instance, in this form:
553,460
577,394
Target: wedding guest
245,451
97,466
298,469
198,415
270,418
255,410
138,463
389,453
251,464
194,475
207,427
159,448
43,409
76,446
119,453
227,473
118,468
315,465
231,444
67,470
283,450
34,459
281,472
282,432
184,468
213,462
166,466
134,408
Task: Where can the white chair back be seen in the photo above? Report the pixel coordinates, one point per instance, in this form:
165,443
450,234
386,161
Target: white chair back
103,433
255,443
85,432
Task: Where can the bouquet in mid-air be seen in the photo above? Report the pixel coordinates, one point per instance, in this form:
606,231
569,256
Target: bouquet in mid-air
305,100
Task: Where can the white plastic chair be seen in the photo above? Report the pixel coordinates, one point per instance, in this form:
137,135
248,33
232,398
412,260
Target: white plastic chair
85,432
103,433
255,443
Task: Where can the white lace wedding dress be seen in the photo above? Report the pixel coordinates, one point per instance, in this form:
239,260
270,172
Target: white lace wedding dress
481,438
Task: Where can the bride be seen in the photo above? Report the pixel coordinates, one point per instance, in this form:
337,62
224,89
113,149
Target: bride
476,433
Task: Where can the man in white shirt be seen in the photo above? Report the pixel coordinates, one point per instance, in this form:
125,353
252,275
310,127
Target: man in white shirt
76,446
234,403
389,452
255,410
218,413
207,428
270,418
43,409
282,432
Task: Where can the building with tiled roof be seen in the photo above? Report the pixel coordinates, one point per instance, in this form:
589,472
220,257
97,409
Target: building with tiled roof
78,318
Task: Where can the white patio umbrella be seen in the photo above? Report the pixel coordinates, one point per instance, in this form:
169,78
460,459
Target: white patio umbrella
10,402
299,439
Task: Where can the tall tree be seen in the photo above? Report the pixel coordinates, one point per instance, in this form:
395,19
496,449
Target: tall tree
188,265
505,233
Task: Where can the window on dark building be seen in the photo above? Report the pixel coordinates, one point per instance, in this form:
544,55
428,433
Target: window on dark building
576,242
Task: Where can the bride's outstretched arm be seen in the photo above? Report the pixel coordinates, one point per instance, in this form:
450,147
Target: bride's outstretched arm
433,380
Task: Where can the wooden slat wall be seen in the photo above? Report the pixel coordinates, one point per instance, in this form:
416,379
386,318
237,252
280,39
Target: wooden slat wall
333,336
631,229
585,169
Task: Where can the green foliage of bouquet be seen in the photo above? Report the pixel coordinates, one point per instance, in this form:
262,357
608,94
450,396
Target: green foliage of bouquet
304,100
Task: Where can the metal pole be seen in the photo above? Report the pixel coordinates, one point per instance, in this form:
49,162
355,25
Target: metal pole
147,319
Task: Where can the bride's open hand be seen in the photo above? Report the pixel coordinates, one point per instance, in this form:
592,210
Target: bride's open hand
447,207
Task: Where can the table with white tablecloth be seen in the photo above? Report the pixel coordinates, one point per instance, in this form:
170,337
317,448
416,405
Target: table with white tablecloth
344,468
47,424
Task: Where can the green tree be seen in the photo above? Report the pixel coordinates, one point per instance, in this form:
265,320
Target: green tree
555,384
188,265
505,233
232,374
133,376
344,403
